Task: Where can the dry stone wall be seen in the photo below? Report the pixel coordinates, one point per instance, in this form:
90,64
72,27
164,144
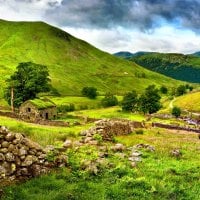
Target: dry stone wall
108,128
21,158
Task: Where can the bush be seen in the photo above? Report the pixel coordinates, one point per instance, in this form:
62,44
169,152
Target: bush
98,138
176,111
139,132
181,89
66,108
89,92
163,89
109,100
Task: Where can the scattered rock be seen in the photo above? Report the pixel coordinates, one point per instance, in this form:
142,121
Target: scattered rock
67,144
176,153
118,147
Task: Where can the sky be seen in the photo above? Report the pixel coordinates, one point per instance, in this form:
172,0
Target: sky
117,25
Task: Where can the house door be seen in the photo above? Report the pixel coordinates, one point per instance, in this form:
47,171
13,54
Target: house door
47,116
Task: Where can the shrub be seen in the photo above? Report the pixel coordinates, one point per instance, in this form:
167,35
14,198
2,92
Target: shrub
176,111
139,132
98,138
109,100
89,92
163,89
181,89
66,108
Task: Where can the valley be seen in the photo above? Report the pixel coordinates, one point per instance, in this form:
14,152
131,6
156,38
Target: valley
126,142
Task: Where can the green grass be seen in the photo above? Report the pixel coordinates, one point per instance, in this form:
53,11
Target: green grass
159,176
80,103
72,63
111,112
190,102
44,135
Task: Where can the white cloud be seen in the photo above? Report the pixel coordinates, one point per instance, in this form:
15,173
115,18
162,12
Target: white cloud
164,39
25,10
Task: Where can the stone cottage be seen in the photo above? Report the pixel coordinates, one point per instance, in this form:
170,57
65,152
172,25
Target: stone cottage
38,109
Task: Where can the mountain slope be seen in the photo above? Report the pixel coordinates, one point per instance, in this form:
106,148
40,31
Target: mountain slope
72,63
184,102
177,66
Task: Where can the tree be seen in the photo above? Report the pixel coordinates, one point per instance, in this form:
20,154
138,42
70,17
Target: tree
176,111
28,80
129,102
149,102
109,100
163,89
181,89
89,92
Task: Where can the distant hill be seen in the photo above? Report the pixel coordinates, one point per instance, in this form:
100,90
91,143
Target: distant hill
127,55
196,54
177,66
124,54
72,63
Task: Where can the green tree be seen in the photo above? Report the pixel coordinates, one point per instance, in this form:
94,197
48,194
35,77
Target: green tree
129,102
181,89
28,80
149,102
176,111
163,89
109,100
90,92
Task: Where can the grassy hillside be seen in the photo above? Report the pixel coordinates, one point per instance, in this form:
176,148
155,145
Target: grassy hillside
177,66
72,63
190,102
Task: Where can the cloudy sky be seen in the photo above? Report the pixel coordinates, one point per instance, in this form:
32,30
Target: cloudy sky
117,25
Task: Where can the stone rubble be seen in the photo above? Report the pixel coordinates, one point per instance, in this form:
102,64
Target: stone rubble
108,128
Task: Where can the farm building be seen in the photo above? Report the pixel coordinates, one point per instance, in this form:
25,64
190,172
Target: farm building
38,109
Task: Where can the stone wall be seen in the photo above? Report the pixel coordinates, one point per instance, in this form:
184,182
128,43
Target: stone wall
21,158
108,128
176,127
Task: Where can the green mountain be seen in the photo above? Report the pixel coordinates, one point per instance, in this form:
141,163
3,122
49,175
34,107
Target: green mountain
128,55
72,63
196,54
124,54
177,66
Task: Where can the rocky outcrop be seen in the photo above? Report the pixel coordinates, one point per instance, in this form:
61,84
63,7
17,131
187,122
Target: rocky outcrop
108,128
21,158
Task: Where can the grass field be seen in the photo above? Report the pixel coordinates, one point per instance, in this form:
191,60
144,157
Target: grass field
190,102
159,176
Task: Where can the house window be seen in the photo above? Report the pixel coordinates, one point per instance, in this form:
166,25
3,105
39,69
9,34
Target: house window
28,109
46,115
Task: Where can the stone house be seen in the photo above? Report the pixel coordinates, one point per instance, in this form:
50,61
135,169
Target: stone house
38,109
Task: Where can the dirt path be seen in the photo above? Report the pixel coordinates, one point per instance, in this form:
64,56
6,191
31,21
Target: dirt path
171,103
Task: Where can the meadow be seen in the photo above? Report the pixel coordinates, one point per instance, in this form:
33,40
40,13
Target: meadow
158,176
